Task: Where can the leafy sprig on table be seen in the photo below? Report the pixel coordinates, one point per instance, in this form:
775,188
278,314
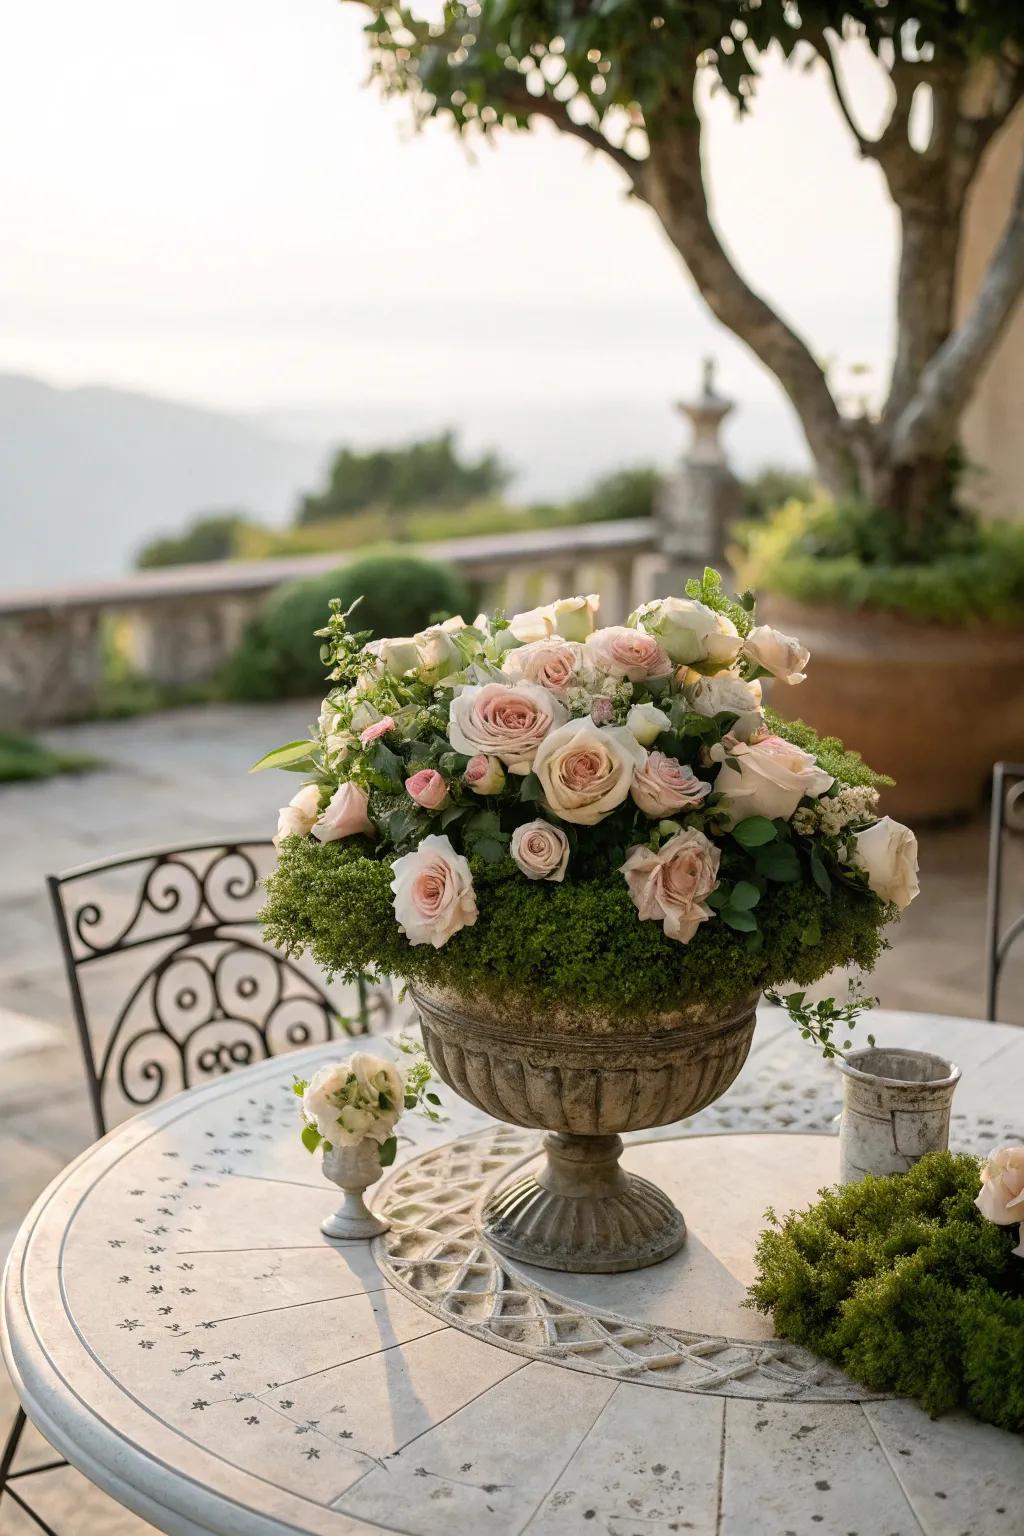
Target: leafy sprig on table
820,1021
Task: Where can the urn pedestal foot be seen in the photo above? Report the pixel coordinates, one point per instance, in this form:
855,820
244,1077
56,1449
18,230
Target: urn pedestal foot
582,1212
353,1219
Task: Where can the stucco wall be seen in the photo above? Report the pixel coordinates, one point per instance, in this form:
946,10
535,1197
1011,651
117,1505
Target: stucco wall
993,428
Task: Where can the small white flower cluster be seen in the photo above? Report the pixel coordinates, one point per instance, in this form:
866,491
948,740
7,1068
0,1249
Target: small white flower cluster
851,807
352,1101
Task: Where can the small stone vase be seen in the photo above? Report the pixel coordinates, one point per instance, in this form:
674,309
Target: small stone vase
354,1169
896,1106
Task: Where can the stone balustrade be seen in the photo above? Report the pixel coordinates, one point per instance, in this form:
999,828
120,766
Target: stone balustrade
179,624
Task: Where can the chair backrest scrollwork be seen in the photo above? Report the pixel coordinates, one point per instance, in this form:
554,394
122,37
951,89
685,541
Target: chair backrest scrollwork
170,980
1007,817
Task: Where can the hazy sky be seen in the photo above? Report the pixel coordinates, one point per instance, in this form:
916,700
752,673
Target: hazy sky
201,199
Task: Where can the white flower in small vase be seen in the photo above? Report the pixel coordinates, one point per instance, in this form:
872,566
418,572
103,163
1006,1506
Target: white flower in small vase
349,1111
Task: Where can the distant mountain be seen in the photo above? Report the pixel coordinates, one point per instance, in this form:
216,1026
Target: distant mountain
88,475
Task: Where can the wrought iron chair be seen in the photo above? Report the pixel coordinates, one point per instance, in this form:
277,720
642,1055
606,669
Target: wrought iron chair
1007,816
171,985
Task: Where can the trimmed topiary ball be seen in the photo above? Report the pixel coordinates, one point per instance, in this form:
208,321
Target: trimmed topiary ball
278,657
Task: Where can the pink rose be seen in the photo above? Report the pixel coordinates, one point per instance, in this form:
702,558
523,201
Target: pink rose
344,816
540,850
586,770
664,785
553,664
505,722
631,653
484,775
378,728
434,894
670,886
428,789
770,778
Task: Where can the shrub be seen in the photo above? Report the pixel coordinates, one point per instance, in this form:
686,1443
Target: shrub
860,557
627,493
22,758
215,536
278,656
903,1283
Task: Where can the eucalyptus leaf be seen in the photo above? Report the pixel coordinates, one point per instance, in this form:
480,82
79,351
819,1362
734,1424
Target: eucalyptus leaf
282,756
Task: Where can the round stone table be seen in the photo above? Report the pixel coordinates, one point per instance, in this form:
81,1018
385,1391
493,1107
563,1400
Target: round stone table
178,1327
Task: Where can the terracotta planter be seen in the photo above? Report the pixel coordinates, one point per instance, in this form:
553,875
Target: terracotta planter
584,1080
932,706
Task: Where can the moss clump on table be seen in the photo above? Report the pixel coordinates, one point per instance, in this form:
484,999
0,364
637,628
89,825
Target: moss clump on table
578,942
903,1283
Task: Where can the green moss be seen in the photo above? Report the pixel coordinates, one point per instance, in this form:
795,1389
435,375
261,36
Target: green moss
960,571
903,1283
577,942
846,766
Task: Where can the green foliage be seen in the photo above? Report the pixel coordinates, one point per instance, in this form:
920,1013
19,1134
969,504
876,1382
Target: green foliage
903,1283
819,1021
579,941
846,766
626,493
770,489
419,474
957,571
213,536
278,656
22,758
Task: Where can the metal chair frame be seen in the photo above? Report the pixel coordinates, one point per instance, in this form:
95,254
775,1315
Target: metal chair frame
235,1027
1007,815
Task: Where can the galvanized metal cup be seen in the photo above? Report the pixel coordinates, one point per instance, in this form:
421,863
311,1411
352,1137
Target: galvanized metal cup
896,1106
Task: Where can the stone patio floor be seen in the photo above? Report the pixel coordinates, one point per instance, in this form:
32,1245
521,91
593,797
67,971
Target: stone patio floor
182,775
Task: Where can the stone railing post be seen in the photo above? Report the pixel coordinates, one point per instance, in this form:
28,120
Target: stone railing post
701,498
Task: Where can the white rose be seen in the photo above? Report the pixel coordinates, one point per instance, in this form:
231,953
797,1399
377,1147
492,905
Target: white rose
437,653
508,722
771,778
297,817
586,770
534,624
781,655
647,722
887,852
380,1079
1001,1198
318,1101
434,894
726,694
396,656
575,617
552,664
670,886
540,850
690,631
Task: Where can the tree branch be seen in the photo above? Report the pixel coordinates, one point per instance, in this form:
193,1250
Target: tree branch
557,112
822,43
673,185
927,425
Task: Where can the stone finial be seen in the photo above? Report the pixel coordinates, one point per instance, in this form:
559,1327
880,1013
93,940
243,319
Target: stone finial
705,415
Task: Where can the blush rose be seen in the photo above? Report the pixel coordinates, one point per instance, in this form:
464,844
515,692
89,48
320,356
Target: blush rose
664,785
671,885
540,850
629,653
586,770
433,892
508,722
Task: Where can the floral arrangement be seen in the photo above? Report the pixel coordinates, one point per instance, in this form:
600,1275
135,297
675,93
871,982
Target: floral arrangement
912,1283
362,1099
541,805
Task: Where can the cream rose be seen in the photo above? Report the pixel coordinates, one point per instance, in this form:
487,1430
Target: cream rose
533,624
437,653
690,631
1001,1197
664,785
575,617
509,722
670,886
726,694
887,852
434,894
344,816
647,722
771,778
781,655
540,850
553,664
343,1100
586,770
380,1078
396,656
297,817
622,652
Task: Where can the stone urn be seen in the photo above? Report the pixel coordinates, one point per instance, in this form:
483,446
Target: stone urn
584,1078
872,683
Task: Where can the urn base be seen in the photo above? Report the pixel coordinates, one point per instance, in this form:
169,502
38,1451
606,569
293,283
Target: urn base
583,1213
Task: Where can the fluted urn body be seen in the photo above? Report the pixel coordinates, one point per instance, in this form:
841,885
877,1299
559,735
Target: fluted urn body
584,1077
